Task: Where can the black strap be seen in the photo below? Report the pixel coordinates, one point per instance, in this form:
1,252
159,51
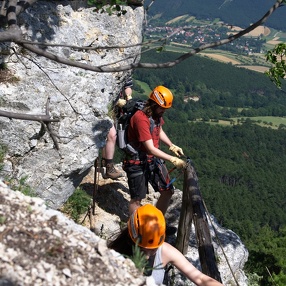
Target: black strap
150,265
166,275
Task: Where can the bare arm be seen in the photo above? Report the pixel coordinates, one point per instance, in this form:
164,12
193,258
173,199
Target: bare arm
155,151
171,255
164,138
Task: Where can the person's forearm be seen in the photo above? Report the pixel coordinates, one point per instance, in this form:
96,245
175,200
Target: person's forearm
159,154
152,150
204,280
165,139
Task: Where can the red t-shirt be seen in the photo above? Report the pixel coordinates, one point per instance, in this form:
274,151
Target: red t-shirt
139,131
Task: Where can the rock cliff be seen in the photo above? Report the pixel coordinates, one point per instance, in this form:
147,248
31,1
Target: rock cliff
40,246
78,98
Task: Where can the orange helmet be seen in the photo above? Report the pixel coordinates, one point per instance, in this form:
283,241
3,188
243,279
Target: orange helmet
162,96
147,226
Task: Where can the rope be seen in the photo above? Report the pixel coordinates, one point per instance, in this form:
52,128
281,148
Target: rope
216,235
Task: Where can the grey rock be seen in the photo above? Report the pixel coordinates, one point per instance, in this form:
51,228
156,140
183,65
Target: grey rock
78,98
41,246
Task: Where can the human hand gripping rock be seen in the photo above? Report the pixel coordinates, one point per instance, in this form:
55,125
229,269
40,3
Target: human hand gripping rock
176,150
178,163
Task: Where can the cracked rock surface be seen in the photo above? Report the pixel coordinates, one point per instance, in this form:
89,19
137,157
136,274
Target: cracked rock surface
40,246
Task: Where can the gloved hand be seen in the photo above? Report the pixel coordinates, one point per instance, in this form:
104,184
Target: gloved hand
176,150
128,97
121,102
179,163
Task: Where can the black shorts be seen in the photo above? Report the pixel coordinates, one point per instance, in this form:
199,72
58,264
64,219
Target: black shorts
139,175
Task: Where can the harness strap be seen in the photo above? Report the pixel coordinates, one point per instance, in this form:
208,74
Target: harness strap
133,162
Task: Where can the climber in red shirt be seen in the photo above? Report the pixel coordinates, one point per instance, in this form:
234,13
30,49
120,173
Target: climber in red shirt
145,132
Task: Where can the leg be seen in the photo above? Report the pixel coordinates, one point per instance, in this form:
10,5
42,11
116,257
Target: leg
138,185
164,201
107,156
133,205
109,148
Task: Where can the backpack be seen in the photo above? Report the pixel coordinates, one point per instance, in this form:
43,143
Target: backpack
123,121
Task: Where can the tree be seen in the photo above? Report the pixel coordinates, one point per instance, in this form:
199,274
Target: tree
277,57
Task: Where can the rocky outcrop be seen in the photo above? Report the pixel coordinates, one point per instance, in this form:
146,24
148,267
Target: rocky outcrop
78,98
40,246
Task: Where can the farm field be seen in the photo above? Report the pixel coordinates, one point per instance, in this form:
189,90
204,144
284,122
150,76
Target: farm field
260,30
264,121
221,58
255,68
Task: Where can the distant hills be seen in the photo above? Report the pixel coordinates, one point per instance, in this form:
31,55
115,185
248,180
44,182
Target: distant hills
235,12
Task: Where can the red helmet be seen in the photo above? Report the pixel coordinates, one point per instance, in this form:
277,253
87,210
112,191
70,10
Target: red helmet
162,96
147,226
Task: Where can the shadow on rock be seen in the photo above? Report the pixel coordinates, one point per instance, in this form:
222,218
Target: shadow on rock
110,198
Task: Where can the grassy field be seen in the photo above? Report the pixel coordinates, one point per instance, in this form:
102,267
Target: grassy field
264,121
144,86
270,120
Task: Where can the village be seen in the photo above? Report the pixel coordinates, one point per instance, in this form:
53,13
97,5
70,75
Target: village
196,36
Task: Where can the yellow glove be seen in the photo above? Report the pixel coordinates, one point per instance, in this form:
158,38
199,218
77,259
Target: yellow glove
128,97
179,163
121,102
176,150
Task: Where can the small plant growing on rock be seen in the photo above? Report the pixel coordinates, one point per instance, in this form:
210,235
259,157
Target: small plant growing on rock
77,204
22,187
139,258
3,151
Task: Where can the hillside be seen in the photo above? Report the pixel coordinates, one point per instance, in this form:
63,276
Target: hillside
237,12
197,71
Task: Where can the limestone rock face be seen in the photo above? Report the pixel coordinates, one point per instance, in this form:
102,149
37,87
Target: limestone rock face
78,98
40,246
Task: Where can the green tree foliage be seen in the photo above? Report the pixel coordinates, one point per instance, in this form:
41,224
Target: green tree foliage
113,6
268,255
109,6
277,58
217,85
242,181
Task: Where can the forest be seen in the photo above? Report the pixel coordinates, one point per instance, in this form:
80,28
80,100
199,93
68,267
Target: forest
241,167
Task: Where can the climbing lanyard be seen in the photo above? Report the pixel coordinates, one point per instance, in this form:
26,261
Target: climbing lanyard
180,173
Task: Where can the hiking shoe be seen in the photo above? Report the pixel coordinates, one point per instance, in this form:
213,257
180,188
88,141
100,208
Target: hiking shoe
170,230
112,173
